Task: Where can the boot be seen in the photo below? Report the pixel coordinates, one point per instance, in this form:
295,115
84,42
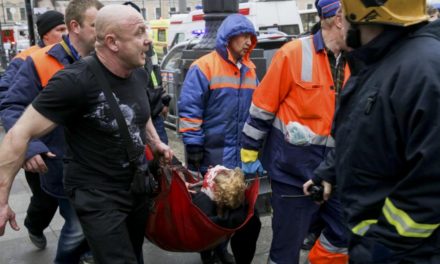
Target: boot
208,257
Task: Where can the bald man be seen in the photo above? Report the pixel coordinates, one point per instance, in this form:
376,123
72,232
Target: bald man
44,157
98,175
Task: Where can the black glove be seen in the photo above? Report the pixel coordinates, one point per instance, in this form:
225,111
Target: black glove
194,154
144,183
316,193
166,98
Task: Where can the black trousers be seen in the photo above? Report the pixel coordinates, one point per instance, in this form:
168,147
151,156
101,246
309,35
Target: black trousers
113,223
42,206
244,240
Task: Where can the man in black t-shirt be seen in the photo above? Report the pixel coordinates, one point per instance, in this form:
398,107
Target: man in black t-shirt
98,173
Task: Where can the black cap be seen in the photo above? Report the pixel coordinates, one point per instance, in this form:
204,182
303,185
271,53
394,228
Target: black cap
48,20
135,6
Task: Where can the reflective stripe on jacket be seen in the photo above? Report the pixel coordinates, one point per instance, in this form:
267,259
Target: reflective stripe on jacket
387,161
15,64
27,84
324,252
298,88
216,96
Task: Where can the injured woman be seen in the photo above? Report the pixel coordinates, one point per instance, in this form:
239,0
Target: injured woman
222,196
222,208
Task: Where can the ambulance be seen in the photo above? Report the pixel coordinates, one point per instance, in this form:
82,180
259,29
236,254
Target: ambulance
266,15
15,38
159,34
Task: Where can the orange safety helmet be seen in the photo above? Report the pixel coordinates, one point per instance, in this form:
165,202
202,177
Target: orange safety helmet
391,12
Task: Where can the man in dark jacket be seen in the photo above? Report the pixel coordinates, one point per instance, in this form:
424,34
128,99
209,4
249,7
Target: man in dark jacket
159,99
42,206
45,155
387,155
98,173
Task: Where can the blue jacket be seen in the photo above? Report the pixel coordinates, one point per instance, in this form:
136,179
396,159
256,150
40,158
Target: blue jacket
216,96
23,90
13,68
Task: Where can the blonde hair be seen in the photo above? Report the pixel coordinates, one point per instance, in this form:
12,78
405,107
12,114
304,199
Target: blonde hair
230,186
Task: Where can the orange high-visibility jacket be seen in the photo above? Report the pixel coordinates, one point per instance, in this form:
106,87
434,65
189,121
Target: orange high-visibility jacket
216,96
13,67
25,53
298,87
46,65
32,77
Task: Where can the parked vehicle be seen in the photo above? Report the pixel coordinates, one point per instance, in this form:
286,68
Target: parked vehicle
159,31
15,39
266,15
22,44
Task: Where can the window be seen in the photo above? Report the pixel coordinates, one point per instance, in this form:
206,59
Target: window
173,59
161,35
179,37
9,14
158,13
309,19
309,6
23,13
290,29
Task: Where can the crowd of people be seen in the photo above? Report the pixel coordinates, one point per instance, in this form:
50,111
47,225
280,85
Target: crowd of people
353,107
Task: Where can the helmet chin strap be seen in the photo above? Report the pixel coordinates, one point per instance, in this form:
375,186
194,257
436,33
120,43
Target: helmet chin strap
353,37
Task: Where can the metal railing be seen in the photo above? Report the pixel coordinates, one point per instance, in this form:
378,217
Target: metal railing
172,83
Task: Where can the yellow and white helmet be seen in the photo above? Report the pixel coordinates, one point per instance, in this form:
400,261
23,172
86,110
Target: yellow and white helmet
390,12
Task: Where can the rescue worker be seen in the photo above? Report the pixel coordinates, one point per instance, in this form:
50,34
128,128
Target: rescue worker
387,155
50,27
213,107
293,109
45,155
42,207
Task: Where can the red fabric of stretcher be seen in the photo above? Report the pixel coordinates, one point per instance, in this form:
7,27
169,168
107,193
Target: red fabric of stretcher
176,224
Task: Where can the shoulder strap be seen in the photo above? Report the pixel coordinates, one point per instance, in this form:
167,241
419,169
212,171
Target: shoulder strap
96,69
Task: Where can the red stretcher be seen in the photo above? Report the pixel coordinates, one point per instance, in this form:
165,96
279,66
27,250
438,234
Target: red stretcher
176,224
